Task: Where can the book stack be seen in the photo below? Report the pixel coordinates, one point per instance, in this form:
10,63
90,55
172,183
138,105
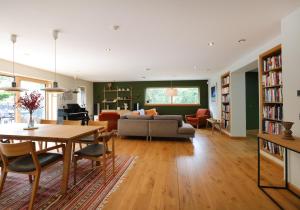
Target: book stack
272,79
272,63
273,95
273,148
225,98
225,108
225,90
272,112
225,80
272,127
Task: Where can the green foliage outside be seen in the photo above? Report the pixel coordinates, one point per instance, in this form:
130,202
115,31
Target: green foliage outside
4,96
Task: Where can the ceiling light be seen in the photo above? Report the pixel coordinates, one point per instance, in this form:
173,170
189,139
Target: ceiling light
211,44
54,88
171,91
116,27
13,87
143,77
107,49
241,41
148,69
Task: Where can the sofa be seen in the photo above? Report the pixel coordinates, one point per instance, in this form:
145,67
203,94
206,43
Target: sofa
155,126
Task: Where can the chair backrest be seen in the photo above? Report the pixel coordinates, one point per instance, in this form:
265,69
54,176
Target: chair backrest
17,149
202,112
99,123
112,118
72,122
52,122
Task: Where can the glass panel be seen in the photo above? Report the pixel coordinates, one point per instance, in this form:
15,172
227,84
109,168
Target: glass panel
187,96
7,102
157,96
40,113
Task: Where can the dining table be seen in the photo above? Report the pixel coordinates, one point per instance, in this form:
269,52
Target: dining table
66,134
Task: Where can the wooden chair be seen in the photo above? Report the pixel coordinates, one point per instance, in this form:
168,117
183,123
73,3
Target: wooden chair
50,122
94,152
27,161
72,122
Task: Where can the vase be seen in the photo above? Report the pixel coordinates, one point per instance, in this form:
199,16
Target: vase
30,121
287,133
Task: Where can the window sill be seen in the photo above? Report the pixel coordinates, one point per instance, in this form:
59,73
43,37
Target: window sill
178,105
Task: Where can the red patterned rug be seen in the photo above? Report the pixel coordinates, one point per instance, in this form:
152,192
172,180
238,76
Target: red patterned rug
90,191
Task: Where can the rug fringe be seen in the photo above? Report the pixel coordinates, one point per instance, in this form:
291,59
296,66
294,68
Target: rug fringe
117,185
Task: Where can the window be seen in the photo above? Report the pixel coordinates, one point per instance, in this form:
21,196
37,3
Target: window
7,102
185,96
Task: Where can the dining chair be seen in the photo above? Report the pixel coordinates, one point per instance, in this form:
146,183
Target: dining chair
49,122
73,122
94,152
27,161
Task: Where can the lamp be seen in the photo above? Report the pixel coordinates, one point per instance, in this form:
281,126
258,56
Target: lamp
172,91
54,88
75,91
13,87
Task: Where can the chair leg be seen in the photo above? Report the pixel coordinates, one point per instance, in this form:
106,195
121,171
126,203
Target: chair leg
3,178
35,188
30,178
55,145
75,169
104,167
40,145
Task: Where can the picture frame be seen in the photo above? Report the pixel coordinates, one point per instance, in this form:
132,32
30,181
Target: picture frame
213,93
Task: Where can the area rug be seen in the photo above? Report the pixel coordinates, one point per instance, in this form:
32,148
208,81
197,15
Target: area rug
90,192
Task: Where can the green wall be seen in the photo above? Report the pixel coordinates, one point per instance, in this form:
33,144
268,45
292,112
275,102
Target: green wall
139,94
252,101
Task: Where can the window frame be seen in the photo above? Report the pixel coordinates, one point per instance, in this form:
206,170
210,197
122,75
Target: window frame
172,104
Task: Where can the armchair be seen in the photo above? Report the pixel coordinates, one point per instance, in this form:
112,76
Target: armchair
198,119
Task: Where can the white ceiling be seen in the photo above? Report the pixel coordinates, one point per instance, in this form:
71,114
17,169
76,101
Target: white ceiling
169,36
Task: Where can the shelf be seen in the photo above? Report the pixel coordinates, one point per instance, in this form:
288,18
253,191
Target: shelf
272,86
272,154
269,102
225,93
225,85
226,111
107,102
270,119
110,91
223,102
277,69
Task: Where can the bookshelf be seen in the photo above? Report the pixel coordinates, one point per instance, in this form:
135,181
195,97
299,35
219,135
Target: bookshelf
113,98
225,102
271,100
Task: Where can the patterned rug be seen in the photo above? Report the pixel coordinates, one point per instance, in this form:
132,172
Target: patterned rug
90,191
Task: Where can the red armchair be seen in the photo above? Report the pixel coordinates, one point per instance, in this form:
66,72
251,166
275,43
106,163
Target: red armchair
112,118
198,119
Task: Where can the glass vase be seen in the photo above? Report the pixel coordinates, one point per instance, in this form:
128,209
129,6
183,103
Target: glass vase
30,121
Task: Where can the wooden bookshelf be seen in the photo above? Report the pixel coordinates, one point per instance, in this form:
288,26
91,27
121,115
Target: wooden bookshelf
114,98
271,99
225,102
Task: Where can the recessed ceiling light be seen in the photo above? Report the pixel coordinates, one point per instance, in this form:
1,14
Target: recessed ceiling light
241,41
211,44
143,77
115,27
107,49
148,69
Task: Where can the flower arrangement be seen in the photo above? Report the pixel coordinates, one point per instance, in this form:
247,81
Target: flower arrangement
30,102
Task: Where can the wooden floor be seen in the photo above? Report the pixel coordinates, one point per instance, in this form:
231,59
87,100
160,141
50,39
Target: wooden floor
211,172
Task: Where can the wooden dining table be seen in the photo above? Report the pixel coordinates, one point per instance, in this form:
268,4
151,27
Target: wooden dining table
66,134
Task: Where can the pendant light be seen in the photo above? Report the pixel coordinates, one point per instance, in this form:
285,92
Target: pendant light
54,88
13,87
75,91
171,91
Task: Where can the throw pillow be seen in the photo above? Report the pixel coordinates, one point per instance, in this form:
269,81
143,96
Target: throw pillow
151,112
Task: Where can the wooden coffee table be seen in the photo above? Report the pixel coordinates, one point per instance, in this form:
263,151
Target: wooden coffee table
214,123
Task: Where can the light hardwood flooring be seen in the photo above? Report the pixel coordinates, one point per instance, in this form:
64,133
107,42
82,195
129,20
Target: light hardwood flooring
211,172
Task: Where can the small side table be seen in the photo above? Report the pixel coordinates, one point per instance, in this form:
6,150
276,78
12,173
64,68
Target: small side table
214,123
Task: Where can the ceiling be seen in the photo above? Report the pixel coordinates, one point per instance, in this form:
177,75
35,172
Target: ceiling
168,36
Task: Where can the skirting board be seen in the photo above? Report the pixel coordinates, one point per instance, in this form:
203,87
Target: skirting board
233,137
294,188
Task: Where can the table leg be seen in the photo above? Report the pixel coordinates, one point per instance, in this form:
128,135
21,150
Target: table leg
66,169
212,128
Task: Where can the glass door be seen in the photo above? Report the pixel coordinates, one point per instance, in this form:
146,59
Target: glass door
7,102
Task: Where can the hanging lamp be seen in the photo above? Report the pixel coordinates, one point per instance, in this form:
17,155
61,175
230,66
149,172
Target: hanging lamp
172,91
54,88
13,87
75,91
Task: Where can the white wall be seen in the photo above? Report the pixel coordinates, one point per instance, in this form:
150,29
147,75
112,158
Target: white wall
215,107
63,81
290,29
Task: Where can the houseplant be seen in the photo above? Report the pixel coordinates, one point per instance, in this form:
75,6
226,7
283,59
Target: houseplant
30,102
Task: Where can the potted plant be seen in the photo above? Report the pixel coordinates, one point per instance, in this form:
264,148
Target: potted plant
30,102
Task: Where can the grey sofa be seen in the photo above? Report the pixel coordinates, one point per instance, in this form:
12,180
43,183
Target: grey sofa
157,126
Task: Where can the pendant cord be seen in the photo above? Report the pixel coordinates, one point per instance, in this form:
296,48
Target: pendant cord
14,61
54,60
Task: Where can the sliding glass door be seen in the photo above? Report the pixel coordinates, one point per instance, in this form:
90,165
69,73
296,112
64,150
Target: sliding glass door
7,102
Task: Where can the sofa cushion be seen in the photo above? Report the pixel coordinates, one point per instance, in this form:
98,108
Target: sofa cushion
186,129
151,112
139,117
170,117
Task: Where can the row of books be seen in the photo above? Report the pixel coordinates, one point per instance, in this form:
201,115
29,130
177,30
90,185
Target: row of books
272,127
273,62
225,124
225,90
226,116
225,80
273,112
274,78
272,148
273,95
225,108
226,98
